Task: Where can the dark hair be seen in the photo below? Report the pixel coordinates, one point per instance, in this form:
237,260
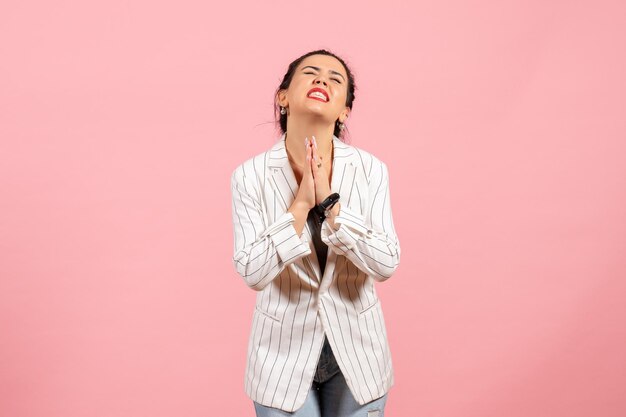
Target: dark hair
281,119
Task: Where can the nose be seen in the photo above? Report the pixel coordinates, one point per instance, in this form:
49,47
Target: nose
318,80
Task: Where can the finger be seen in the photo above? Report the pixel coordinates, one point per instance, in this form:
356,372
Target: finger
319,168
315,154
309,161
306,155
313,165
314,146
307,158
318,157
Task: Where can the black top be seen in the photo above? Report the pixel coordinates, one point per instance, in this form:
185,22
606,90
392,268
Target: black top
320,247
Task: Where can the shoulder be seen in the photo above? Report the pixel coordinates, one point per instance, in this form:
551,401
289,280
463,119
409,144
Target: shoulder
251,168
251,172
372,166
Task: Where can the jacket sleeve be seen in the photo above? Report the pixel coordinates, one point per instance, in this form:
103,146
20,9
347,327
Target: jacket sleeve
261,251
369,240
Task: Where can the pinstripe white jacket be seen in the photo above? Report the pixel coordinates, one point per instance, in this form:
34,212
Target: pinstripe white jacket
295,305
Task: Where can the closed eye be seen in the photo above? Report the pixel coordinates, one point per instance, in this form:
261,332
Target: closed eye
334,79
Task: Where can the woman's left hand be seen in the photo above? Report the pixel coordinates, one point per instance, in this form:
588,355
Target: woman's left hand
320,176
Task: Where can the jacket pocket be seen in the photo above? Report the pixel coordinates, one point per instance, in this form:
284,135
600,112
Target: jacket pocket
373,335
268,315
374,304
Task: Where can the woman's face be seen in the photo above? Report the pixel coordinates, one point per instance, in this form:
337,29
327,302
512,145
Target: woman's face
323,72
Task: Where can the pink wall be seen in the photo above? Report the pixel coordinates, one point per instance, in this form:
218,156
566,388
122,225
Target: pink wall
503,125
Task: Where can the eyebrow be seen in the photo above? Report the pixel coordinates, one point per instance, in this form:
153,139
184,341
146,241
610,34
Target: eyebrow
331,71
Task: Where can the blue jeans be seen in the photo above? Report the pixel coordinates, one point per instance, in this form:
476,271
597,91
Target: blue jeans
329,395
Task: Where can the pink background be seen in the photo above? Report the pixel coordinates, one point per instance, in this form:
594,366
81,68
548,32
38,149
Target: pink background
503,124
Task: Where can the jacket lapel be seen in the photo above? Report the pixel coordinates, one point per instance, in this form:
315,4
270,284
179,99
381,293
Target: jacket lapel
283,182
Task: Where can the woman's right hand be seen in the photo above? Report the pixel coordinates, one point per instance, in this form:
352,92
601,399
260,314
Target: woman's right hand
306,192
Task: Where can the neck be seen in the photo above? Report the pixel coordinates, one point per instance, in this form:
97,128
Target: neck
295,141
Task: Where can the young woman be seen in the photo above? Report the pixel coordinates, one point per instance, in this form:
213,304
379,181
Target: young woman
318,343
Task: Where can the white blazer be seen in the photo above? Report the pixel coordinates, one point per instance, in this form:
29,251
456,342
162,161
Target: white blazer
295,305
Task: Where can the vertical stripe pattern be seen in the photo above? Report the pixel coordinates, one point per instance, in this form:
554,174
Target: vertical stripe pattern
295,304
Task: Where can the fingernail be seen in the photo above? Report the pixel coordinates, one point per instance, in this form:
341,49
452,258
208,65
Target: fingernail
314,142
306,141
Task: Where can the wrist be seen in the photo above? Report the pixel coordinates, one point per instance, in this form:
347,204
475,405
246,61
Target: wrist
324,208
330,218
332,212
299,207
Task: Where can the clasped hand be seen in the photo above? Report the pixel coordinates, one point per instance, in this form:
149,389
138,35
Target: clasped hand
315,186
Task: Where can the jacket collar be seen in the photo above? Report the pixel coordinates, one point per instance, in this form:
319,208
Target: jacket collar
278,152
282,179
343,155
